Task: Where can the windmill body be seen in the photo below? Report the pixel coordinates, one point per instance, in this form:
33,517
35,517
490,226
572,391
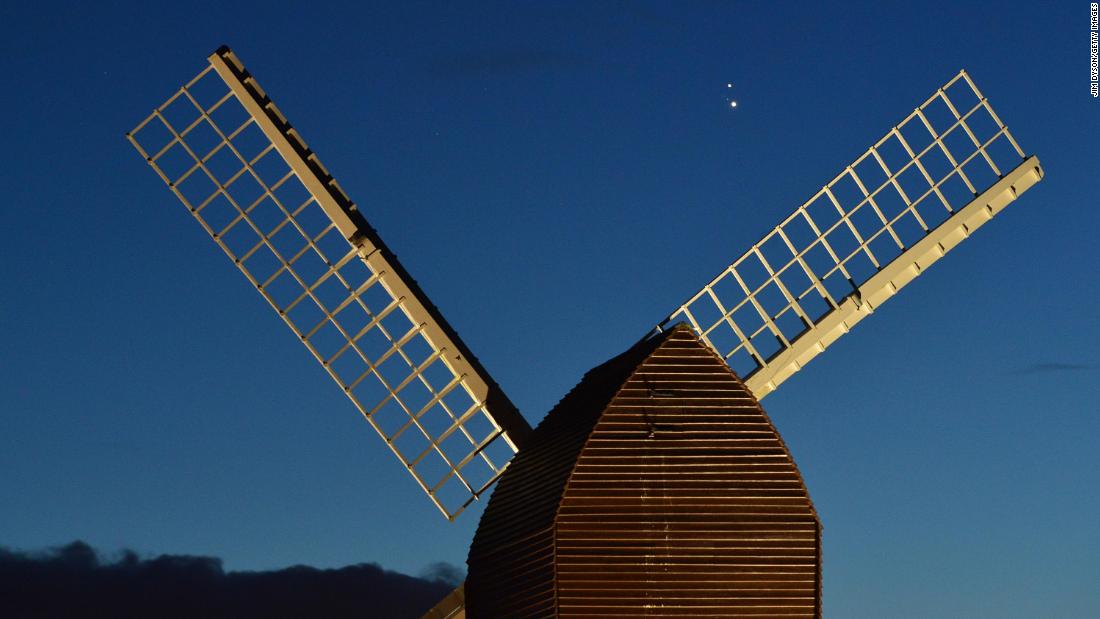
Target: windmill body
657,487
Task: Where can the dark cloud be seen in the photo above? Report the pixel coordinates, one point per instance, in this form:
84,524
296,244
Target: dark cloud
74,581
488,63
1044,368
443,572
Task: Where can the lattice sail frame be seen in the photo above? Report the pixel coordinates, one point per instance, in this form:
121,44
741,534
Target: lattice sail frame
942,172
230,156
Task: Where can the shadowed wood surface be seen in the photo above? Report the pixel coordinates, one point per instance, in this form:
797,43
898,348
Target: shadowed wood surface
657,488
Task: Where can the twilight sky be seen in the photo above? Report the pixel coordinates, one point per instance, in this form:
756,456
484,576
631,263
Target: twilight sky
558,177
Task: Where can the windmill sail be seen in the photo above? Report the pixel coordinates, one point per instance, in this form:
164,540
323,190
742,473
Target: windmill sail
230,156
942,172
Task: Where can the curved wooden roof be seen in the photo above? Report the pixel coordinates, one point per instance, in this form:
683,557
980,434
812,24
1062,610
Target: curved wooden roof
657,487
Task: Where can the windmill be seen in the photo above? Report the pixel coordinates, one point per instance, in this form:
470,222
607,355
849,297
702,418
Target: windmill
658,486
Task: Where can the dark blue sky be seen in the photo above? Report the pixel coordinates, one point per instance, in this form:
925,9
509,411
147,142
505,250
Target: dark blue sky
558,178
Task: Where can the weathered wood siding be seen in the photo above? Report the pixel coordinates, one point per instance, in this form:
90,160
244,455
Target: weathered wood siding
685,502
680,499
511,561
